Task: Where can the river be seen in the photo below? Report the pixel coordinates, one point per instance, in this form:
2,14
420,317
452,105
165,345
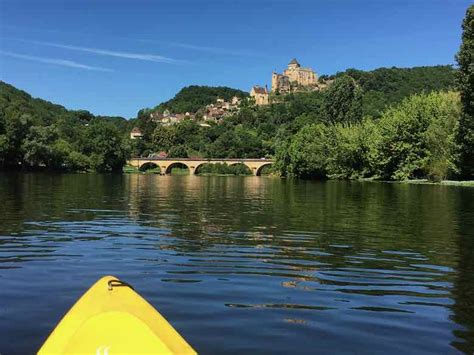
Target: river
245,264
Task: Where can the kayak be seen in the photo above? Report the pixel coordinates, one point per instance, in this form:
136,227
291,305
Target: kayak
111,318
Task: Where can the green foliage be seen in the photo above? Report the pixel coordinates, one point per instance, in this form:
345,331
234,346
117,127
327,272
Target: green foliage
343,100
39,146
104,145
441,138
465,80
352,149
412,140
408,145
192,98
76,161
36,134
178,151
150,168
385,87
224,169
307,152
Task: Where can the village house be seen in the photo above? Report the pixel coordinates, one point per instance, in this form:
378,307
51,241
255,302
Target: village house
220,109
167,118
136,133
260,95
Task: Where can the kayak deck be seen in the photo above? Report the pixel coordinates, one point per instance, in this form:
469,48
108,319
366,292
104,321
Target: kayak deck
111,318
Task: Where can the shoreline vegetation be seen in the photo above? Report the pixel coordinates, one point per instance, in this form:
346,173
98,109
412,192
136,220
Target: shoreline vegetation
389,124
468,183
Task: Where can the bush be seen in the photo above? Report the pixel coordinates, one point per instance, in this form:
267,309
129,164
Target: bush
416,136
76,161
352,150
224,169
307,152
412,140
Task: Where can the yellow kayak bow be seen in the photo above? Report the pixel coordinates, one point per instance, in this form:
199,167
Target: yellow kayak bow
111,318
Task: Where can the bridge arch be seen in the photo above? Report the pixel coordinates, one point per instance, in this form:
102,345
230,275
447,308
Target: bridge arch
249,168
176,164
147,166
258,172
200,165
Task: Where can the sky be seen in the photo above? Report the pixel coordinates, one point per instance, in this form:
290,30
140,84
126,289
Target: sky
115,57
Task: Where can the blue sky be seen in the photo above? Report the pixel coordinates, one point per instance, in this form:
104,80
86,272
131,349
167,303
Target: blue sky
114,57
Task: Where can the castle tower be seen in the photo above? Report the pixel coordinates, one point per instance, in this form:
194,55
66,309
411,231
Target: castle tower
293,64
300,76
275,82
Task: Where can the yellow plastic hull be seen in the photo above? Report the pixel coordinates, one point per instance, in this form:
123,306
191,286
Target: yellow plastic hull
111,318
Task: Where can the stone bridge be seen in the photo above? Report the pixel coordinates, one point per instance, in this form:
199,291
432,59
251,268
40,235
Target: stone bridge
166,164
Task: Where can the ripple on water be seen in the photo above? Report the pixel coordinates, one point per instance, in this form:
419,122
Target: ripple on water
244,265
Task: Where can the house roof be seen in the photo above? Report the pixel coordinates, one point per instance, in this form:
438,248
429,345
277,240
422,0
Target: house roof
136,130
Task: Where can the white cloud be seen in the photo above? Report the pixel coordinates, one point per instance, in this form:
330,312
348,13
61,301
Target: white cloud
118,54
208,49
56,61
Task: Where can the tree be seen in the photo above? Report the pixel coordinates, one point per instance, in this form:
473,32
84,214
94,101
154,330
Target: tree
308,152
192,98
163,137
105,147
343,101
38,146
465,79
415,136
440,138
16,129
178,151
3,150
352,149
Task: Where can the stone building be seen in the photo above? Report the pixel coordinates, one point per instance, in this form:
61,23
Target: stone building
293,77
260,95
221,108
136,133
281,83
168,119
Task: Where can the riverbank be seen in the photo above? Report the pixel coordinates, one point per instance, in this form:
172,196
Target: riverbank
469,183
179,171
444,182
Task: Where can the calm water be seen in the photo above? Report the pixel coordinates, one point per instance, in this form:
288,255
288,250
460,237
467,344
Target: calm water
250,264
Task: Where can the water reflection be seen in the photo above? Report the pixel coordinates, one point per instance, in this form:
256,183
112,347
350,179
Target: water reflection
246,263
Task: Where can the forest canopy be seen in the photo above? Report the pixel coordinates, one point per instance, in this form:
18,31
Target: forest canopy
37,134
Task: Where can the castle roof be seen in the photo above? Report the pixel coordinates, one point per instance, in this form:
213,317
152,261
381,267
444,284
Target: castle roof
259,90
294,61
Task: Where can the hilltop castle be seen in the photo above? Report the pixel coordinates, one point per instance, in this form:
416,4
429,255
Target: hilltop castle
294,78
